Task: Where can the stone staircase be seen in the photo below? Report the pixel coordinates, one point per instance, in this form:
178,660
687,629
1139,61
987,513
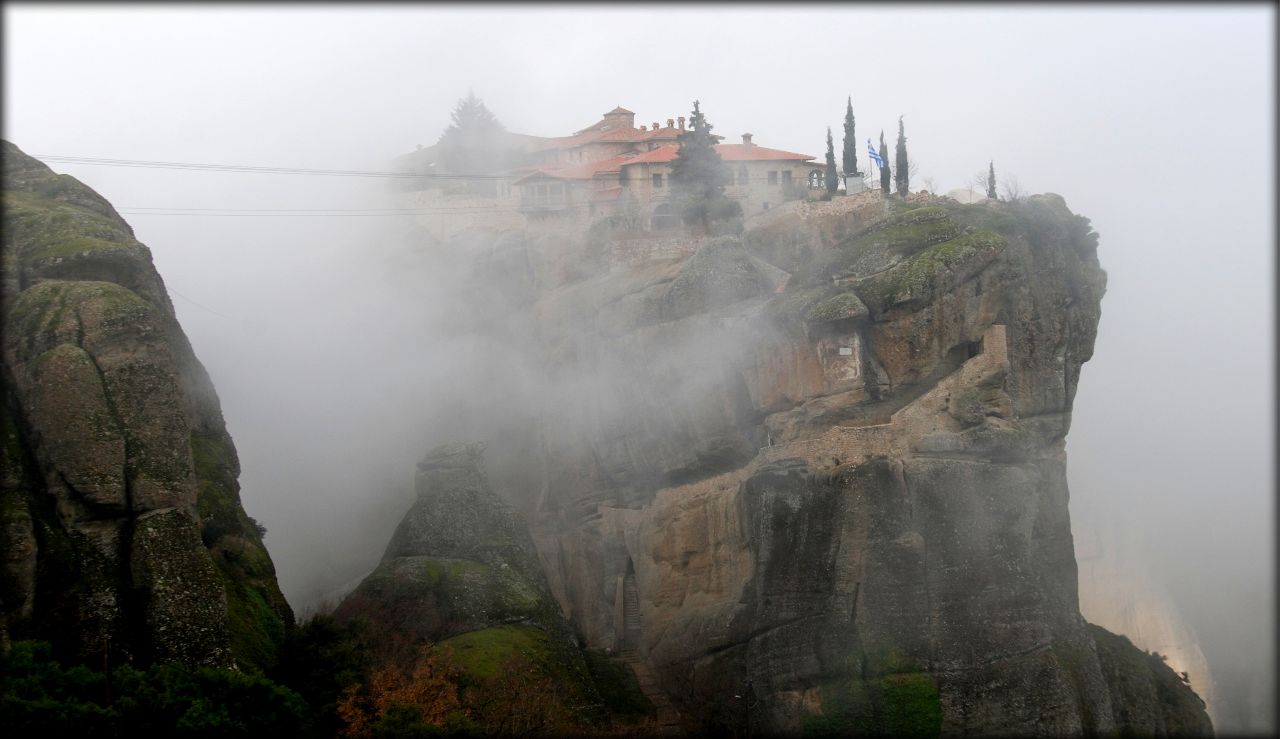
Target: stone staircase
668,717
630,613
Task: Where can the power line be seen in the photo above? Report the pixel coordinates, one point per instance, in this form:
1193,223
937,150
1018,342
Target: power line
737,180
147,164
193,166
272,210
201,305
276,215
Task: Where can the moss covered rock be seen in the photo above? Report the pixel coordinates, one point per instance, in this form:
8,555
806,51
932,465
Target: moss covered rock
461,559
123,451
185,606
461,572
720,273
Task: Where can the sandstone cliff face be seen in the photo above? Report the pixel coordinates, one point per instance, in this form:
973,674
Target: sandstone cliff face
122,526
829,459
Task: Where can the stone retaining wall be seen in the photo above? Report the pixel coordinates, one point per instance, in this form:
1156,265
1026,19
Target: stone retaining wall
625,253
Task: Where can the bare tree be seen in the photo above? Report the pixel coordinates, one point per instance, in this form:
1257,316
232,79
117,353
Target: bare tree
1010,188
976,184
929,184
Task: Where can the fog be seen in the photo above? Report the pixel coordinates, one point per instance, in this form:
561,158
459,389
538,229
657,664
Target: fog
322,332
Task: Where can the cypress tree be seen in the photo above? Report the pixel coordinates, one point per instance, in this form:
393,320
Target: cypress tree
900,161
884,171
832,183
850,141
699,176
991,181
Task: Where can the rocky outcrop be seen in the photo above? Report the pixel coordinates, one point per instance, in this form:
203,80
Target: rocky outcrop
461,560
461,573
122,525
1119,592
840,497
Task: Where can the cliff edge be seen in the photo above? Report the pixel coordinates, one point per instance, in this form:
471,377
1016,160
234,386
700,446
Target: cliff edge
815,475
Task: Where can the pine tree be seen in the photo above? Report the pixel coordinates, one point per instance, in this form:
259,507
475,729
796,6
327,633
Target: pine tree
884,170
850,142
474,142
699,176
832,183
900,161
991,181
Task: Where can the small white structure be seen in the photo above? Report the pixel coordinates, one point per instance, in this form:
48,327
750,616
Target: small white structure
967,195
853,184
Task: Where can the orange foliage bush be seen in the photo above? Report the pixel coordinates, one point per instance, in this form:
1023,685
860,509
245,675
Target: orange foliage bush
429,689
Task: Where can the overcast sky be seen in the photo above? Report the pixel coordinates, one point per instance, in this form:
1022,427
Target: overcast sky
1155,122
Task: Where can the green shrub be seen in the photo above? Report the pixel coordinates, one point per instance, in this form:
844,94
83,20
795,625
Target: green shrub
38,695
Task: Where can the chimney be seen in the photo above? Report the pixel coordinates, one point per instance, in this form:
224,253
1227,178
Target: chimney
681,119
643,128
656,126
746,140
671,123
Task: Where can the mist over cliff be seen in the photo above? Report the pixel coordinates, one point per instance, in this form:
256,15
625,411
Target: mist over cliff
336,344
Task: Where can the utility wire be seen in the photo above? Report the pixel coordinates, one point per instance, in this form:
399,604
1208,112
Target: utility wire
201,305
331,212
256,169
192,166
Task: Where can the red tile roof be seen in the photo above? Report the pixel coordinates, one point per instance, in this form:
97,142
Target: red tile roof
744,153
582,171
635,135
727,152
661,154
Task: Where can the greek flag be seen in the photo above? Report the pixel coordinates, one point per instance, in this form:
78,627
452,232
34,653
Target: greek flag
875,156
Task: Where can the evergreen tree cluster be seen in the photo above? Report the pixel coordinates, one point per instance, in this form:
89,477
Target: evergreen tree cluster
889,175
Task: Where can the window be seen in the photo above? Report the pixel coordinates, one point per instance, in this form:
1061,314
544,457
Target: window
786,177
742,175
657,180
766,206
773,178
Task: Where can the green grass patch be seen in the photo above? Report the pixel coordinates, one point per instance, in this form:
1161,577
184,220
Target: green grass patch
899,704
481,653
910,705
